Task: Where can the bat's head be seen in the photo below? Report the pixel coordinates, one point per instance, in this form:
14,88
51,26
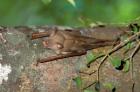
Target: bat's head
52,45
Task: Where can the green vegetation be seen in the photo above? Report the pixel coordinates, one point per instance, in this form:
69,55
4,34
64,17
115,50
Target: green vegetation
67,12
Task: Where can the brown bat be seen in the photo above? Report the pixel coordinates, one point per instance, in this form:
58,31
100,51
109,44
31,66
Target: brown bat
68,43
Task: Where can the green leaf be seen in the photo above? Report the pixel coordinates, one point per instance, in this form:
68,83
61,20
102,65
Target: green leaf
109,86
116,61
135,28
126,66
97,86
72,2
78,81
46,1
90,57
129,45
86,22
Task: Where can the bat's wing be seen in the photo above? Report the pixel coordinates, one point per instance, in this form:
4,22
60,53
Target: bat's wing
98,44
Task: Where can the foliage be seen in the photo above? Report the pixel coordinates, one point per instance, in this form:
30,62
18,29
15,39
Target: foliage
46,1
126,66
78,81
72,2
91,57
67,12
97,86
116,61
109,86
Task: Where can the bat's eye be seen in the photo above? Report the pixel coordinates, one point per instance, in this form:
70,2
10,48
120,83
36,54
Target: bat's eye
59,46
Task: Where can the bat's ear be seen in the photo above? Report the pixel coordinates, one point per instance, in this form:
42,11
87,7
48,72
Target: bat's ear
53,32
45,43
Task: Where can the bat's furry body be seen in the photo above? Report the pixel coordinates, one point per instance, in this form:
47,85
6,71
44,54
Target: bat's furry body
68,43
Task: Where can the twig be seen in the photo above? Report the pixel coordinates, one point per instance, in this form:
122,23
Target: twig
89,85
116,48
132,65
119,46
60,56
88,64
87,73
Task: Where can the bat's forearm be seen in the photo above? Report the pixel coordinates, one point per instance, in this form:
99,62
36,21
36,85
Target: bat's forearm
61,56
37,35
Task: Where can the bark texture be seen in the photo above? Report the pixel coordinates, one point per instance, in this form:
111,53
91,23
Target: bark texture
18,55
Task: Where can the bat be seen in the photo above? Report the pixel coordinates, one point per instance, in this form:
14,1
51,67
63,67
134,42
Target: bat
68,43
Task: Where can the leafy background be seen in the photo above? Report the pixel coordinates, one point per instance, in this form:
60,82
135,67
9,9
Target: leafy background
67,12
